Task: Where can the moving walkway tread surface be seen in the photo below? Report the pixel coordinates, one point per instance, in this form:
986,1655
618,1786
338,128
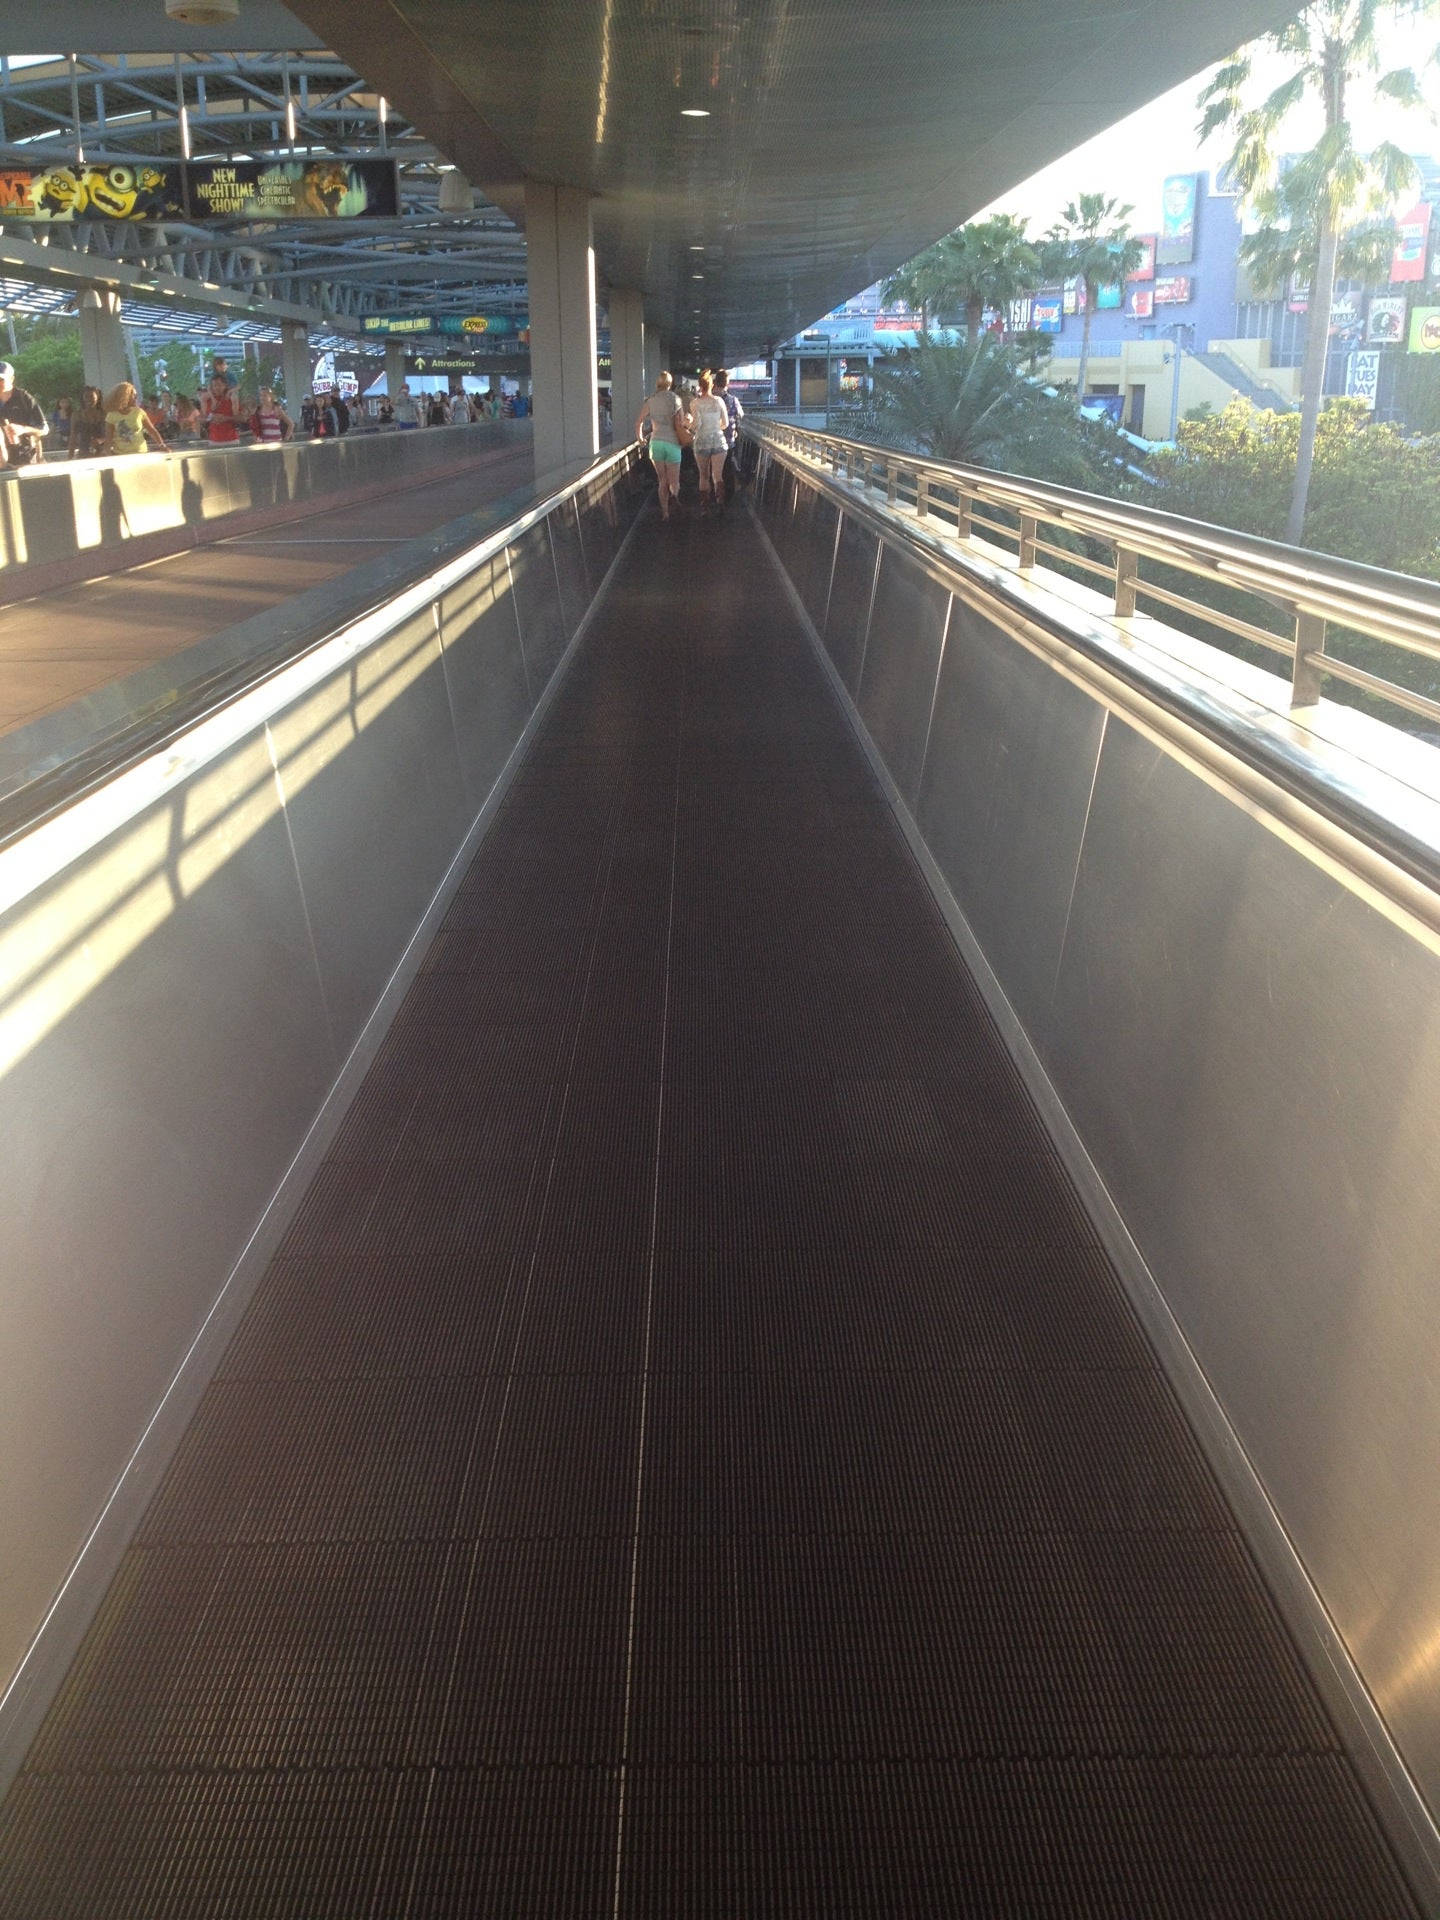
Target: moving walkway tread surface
690,1455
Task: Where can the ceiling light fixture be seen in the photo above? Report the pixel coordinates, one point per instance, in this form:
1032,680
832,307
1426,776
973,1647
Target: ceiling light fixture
694,113
203,13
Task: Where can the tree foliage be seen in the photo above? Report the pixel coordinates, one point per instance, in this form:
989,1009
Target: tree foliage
1332,46
47,359
972,404
1374,497
986,264
1092,243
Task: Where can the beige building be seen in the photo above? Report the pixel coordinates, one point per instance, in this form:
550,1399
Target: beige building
1144,371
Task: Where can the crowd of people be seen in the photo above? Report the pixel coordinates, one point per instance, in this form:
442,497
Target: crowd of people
707,420
122,421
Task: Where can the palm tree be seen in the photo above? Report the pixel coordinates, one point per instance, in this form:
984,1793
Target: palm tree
1334,46
971,403
921,283
1287,246
1092,243
990,263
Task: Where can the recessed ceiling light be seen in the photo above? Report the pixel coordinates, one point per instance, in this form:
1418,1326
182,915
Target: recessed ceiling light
694,113
697,249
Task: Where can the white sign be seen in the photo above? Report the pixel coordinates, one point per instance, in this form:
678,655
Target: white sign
1385,322
1362,377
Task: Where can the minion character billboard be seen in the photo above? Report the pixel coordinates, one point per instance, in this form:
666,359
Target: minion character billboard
125,191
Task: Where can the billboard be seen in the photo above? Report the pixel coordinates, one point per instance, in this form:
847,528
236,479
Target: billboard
1047,310
1178,199
1108,298
1362,377
1408,260
1174,289
1146,268
1074,295
334,189
1140,303
1385,322
1425,330
401,324
64,193
494,325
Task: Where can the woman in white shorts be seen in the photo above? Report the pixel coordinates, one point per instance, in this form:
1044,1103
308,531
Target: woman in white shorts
710,417
666,413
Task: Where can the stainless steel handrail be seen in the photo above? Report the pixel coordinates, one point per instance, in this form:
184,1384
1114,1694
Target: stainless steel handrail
1312,591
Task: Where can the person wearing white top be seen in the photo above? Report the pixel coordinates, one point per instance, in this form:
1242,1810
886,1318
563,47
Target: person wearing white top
712,418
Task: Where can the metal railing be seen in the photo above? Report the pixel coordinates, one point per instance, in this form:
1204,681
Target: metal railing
1291,599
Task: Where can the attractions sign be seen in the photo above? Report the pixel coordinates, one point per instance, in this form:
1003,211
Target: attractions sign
203,190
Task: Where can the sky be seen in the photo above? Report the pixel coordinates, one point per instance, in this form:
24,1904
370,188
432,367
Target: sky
1129,161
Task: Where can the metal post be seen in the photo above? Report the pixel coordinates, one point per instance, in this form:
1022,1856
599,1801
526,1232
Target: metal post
1127,573
1309,646
922,496
1029,528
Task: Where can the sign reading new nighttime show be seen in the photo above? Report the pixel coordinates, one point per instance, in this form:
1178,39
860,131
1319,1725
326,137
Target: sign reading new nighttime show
292,190
209,190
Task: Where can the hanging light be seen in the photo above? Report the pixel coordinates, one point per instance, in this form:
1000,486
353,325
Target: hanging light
203,13
456,193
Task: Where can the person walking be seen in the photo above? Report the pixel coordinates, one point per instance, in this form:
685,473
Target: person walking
732,431
87,425
665,414
270,423
127,425
711,419
220,410
23,425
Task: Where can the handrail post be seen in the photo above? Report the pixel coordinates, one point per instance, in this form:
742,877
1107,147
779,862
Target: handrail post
1309,645
1127,575
964,514
1029,529
922,496
892,482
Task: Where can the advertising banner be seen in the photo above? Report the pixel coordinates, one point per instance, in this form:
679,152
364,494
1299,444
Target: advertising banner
1047,311
1146,268
1362,377
62,194
391,324
1297,294
1425,330
292,190
1108,298
1177,220
1345,313
1174,289
1140,303
495,325
1385,322
1408,260
1074,296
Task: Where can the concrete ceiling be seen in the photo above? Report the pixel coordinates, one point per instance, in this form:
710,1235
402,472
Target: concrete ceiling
841,135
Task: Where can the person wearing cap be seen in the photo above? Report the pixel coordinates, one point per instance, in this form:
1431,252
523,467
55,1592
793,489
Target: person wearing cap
22,422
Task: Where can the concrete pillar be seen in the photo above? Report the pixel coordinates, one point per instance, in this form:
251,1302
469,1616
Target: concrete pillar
102,339
628,386
560,253
394,366
657,357
295,363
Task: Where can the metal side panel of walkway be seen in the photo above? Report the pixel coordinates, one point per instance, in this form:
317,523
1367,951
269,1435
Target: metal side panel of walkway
690,1455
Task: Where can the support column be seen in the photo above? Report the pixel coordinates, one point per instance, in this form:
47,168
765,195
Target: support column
657,357
394,367
102,339
560,252
295,363
628,386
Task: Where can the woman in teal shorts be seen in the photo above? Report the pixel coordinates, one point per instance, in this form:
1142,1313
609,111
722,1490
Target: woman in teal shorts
666,414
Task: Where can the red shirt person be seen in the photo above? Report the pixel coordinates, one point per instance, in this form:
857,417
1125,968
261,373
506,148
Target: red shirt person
220,413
